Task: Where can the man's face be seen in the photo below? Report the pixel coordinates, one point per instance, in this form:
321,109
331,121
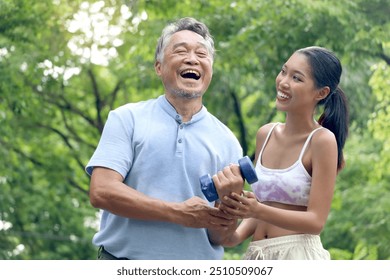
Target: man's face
186,69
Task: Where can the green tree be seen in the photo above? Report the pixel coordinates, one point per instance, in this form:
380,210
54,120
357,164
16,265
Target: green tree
65,64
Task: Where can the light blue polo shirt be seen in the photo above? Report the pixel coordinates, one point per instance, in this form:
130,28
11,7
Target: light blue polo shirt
162,157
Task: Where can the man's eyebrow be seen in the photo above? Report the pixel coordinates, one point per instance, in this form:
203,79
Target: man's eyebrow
185,44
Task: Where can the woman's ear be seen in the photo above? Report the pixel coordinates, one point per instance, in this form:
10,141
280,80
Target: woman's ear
322,93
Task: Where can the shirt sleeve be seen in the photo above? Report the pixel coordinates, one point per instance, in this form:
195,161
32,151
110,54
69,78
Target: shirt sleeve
114,150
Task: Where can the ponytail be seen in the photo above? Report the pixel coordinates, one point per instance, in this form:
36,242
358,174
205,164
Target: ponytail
335,117
326,69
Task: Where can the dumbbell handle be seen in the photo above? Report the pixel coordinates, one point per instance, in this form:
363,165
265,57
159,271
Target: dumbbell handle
247,172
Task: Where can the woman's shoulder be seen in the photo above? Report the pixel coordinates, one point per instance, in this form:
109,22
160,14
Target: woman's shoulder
265,129
323,139
263,132
323,136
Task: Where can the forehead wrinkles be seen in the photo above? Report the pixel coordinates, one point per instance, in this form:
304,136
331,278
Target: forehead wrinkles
197,45
188,38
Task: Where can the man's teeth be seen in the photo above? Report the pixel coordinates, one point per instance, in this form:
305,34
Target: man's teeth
282,95
191,72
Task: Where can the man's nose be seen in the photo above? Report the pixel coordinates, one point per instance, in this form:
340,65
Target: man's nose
192,58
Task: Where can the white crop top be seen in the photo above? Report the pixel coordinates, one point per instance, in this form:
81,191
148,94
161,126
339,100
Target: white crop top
289,185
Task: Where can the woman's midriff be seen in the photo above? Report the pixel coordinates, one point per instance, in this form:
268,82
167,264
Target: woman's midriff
265,230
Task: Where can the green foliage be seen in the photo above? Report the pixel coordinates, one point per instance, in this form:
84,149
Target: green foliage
339,254
364,252
361,204
379,123
55,96
361,252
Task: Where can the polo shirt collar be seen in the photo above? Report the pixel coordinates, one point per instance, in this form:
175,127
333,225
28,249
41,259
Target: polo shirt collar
171,111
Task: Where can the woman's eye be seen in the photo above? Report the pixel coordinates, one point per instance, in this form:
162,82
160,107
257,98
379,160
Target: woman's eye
296,78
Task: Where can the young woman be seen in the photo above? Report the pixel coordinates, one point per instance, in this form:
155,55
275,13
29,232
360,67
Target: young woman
296,162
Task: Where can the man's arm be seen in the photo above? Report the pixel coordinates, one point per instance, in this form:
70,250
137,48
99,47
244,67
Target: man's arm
110,193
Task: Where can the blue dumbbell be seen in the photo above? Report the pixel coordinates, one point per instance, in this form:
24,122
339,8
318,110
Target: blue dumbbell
247,171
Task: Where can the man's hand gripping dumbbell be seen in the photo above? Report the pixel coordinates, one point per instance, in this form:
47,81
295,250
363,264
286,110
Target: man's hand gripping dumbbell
210,185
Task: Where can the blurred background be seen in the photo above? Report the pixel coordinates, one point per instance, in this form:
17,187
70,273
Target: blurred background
64,64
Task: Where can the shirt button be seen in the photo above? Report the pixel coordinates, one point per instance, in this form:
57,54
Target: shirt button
180,141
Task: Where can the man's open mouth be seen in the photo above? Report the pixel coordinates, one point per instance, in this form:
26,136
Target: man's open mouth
190,74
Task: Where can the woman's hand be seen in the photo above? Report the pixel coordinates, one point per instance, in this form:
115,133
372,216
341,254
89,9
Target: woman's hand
240,206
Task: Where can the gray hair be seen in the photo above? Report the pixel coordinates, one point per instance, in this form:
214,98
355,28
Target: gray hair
186,23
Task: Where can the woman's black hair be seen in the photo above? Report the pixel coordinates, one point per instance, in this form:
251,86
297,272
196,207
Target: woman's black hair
326,70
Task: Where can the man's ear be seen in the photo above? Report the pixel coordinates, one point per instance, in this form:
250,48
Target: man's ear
322,93
157,68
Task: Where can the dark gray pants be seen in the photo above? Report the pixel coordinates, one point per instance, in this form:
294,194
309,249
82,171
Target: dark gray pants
104,255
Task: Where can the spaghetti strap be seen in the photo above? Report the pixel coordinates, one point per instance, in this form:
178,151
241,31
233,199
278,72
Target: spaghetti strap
266,141
307,142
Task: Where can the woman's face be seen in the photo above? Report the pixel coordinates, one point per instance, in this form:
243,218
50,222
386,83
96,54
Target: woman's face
295,87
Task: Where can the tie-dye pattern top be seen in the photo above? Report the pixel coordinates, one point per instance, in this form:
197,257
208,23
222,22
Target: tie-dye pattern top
289,185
